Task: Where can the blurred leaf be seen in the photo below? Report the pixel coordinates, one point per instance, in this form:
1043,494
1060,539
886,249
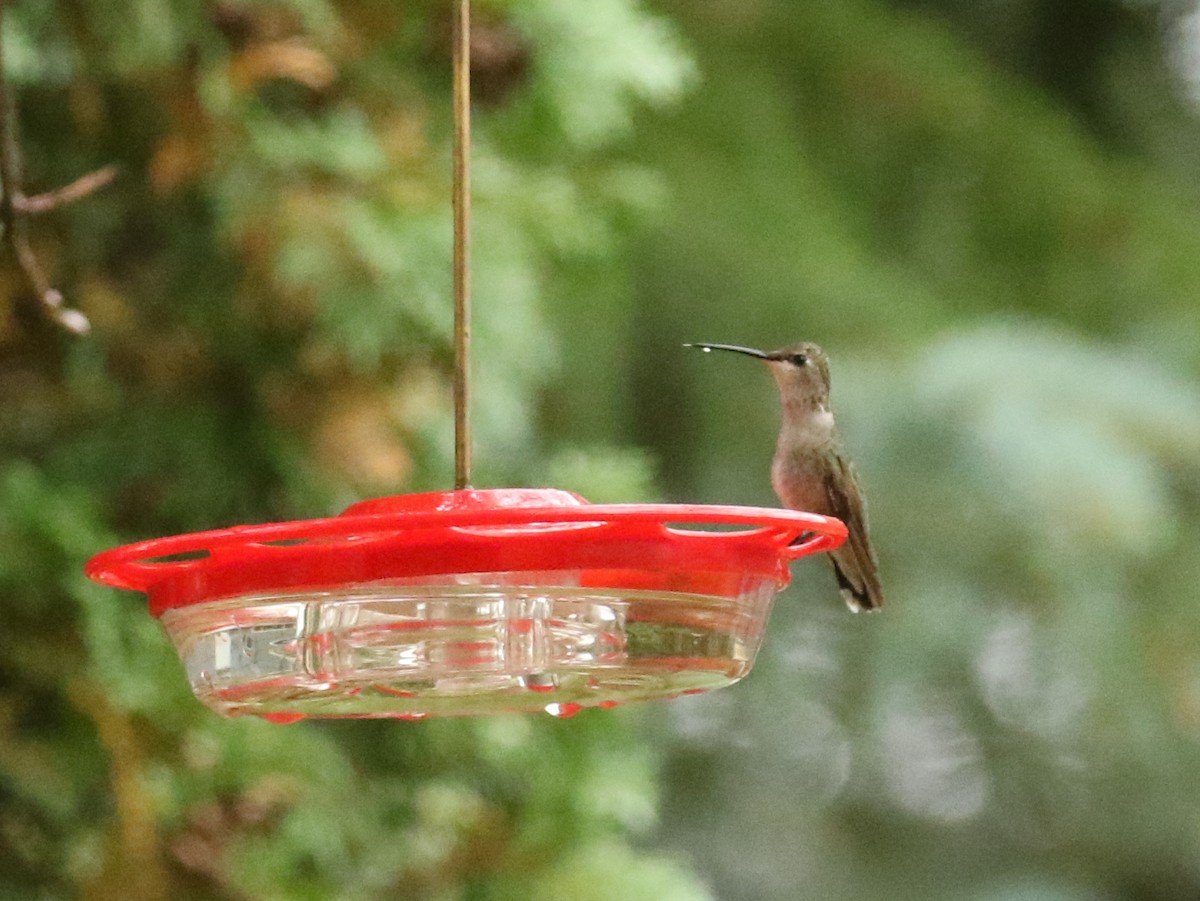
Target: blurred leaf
603,475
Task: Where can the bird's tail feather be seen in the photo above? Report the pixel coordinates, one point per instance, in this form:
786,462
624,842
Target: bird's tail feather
858,597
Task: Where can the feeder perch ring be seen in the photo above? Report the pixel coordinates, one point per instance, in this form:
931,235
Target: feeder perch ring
468,602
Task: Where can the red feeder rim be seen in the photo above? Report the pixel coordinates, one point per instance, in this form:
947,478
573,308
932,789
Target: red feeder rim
470,531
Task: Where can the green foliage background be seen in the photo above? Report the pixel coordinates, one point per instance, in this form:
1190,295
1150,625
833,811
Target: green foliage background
987,213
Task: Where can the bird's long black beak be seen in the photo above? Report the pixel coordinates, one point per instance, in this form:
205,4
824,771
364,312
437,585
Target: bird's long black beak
732,348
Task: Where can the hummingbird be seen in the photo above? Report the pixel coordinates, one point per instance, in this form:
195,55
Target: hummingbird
810,471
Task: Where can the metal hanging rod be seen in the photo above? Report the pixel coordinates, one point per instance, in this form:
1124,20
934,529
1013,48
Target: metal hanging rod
461,62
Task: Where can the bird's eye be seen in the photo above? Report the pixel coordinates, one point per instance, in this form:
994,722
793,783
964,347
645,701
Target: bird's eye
799,359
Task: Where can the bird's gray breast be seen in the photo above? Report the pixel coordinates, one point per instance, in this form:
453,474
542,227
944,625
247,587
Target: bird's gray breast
799,481
800,470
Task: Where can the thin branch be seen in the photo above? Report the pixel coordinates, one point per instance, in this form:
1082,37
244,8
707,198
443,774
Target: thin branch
76,190
15,207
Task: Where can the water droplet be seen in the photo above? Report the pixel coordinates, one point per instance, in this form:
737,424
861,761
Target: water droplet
540,681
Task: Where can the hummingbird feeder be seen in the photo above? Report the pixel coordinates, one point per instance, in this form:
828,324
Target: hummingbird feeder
468,601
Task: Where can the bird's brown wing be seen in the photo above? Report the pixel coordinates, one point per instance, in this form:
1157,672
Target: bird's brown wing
854,562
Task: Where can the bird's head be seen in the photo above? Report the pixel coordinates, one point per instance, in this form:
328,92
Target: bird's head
801,371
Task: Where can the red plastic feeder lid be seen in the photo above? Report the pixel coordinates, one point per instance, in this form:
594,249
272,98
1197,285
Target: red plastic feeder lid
645,546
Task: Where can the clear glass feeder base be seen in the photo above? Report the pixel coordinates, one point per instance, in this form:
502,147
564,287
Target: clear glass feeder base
414,650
